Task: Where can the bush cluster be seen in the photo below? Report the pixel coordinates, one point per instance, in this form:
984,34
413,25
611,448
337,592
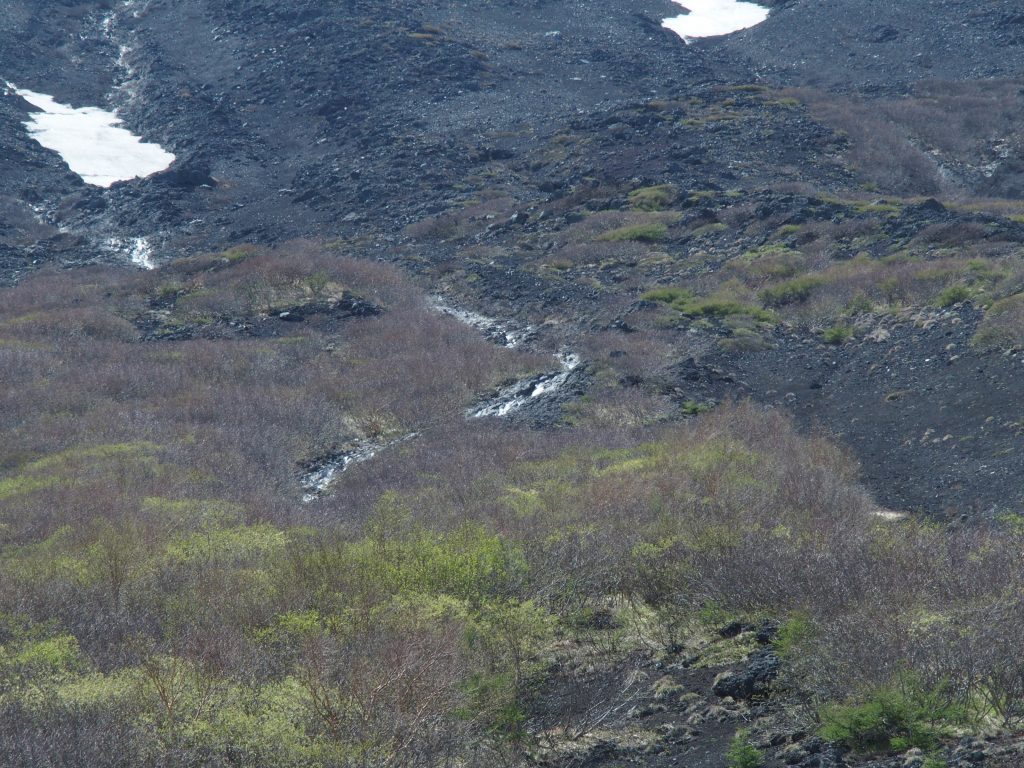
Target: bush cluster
167,599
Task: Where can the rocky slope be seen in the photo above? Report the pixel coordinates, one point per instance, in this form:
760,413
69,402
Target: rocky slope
464,140
495,151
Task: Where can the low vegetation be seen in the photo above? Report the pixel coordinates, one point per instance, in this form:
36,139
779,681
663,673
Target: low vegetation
647,233
1003,326
656,198
167,597
166,593
743,754
686,303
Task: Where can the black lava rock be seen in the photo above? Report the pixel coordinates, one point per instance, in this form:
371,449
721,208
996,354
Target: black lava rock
753,680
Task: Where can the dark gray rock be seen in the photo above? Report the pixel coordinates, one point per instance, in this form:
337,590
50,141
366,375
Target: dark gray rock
752,680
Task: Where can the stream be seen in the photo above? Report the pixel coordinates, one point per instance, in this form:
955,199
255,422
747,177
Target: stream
316,481
515,396
491,329
318,478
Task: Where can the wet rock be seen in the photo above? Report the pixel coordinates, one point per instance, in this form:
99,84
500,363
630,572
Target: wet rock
536,395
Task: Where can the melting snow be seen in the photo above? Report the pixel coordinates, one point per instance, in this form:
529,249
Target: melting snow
90,141
138,249
708,18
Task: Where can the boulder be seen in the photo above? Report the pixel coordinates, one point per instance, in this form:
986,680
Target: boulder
752,680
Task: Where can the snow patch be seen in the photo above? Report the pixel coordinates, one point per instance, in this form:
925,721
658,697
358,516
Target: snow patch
90,141
889,516
710,18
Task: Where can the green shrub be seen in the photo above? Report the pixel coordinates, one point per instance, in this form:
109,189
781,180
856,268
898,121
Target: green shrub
792,633
771,262
898,717
793,291
655,198
859,303
954,294
837,334
743,754
645,233
239,253
1003,325
684,302
671,296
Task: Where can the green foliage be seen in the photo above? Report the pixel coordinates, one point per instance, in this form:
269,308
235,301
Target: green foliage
954,294
191,514
670,296
55,557
743,754
793,291
41,661
90,462
1003,325
985,272
692,407
469,563
793,632
859,303
645,233
685,302
509,634
896,717
655,198
228,545
98,690
770,262
238,253
888,207
491,700
837,334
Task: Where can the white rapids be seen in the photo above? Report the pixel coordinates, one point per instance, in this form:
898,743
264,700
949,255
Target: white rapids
488,327
318,479
513,397
138,249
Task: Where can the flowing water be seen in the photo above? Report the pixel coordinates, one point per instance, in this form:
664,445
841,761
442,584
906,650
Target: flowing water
514,397
317,480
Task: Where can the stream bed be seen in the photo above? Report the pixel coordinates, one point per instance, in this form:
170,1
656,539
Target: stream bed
514,397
